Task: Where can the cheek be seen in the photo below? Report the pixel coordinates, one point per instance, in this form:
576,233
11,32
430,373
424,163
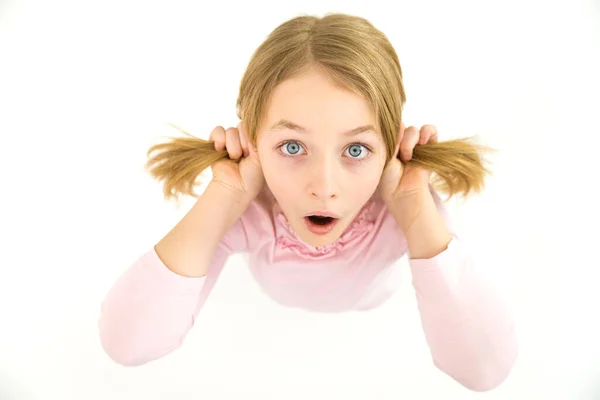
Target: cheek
280,176
363,182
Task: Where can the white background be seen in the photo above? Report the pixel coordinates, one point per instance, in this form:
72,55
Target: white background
87,87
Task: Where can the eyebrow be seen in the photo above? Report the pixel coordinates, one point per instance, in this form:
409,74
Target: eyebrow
284,123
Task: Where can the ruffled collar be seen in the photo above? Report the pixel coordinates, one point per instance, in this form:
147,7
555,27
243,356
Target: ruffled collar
287,238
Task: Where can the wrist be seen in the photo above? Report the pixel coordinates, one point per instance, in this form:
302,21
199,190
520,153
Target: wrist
223,206
423,226
228,197
406,208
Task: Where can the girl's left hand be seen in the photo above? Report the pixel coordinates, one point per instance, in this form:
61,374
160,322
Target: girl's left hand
400,181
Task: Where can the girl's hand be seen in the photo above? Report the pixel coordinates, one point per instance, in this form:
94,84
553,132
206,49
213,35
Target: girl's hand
400,182
241,172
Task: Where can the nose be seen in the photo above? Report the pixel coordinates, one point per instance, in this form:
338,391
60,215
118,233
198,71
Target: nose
324,180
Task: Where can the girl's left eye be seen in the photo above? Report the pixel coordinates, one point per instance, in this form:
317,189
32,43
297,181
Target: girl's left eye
357,151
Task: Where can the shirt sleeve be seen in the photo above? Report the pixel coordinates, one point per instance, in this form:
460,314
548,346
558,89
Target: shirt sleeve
467,326
150,309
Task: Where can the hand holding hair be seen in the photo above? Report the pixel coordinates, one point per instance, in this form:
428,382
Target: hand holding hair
240,169
228,152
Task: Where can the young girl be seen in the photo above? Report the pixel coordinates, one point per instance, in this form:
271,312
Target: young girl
324,189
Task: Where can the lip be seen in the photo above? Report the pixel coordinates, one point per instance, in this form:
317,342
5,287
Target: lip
323,214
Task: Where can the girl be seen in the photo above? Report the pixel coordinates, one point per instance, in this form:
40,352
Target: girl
324,189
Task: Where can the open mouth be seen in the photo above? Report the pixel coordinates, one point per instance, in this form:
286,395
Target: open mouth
318,220
320,225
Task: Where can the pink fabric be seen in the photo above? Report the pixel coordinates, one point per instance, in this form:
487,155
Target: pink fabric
149,311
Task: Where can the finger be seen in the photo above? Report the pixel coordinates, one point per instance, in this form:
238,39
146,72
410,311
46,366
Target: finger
409,141
233,144
218,136
243,139
433,138
427,133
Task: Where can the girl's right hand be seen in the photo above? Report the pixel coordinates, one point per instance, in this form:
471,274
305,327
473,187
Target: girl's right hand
241,172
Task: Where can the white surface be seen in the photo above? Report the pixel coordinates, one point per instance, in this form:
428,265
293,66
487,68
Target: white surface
84,90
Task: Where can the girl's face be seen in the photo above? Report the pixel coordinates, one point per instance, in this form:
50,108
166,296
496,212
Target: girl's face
321,154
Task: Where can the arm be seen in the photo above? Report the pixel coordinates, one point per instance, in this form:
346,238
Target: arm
152,307
469,332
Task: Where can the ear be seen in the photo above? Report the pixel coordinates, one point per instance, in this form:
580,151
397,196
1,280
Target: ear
399,139
401,133
252,149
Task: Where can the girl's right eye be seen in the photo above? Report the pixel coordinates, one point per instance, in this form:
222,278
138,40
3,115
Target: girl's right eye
291,148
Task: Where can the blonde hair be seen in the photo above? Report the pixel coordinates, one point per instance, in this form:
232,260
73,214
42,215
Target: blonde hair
356,56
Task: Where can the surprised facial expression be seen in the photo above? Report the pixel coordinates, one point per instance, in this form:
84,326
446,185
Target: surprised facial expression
321,154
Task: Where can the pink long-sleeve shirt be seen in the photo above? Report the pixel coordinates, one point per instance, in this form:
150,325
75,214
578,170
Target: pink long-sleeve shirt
150,309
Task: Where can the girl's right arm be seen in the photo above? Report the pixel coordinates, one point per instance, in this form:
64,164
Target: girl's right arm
188,248
152,307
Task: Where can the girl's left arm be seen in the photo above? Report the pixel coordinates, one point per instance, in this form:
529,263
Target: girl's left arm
469,330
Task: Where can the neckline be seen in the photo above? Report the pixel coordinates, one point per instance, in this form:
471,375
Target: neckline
287,239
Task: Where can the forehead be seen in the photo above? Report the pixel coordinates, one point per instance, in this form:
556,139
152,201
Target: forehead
312,99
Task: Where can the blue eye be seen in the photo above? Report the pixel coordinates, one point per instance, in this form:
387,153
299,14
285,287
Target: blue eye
357,150
291,148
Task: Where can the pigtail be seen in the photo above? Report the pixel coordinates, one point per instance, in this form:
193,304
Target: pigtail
458,166
178,162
